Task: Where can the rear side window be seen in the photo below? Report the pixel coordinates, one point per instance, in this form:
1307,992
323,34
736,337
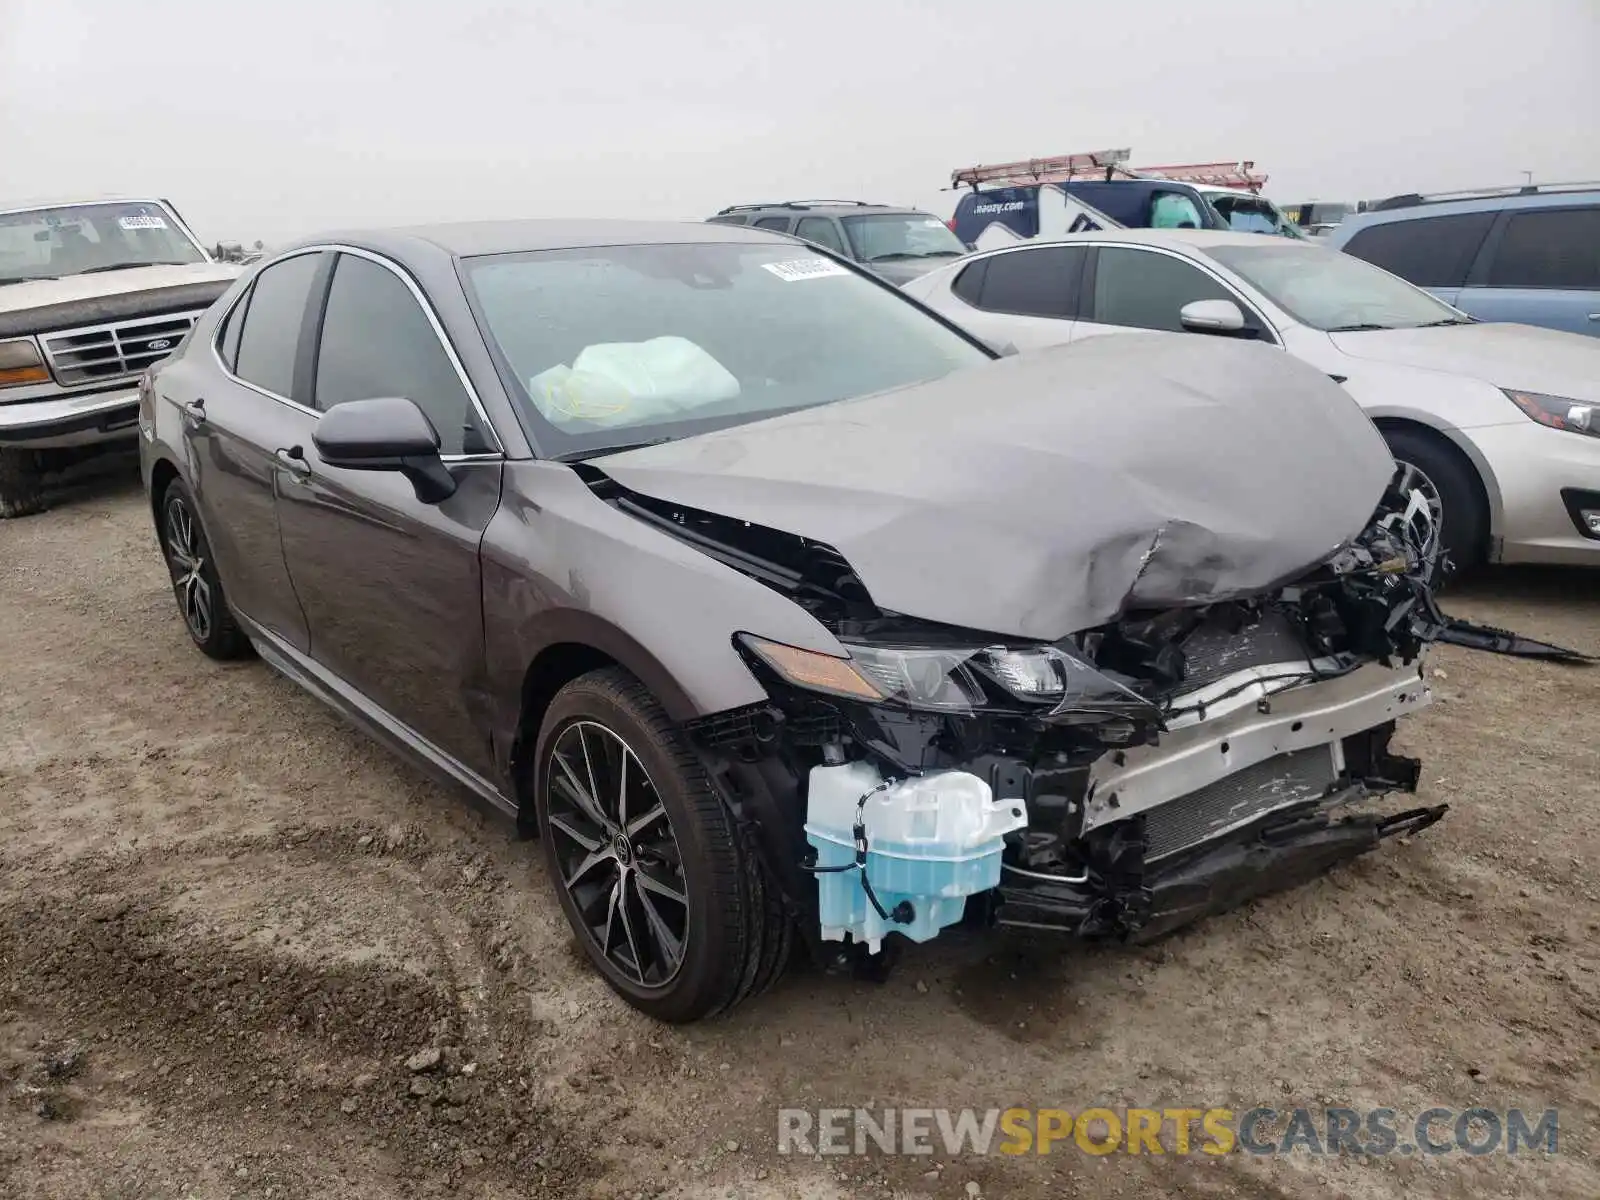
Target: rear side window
1549,248
969,283
377,341
735,219
1040,282
271,333
1147,290
773,223
821,231
232,325
1426,251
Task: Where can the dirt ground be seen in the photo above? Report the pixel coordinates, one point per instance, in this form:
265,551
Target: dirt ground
227,921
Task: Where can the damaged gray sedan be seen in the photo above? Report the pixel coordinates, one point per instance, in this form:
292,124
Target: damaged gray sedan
782,611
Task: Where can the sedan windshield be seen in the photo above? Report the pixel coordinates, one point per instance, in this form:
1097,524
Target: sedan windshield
1331,291
881,237
78,239
617,345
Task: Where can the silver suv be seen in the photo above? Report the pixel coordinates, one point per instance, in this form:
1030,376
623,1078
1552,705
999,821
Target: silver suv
897,244
91,294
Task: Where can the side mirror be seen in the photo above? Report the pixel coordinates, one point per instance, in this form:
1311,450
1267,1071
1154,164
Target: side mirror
1213,316
386,434
1003,349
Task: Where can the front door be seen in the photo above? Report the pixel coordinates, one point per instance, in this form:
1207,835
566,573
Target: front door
231,432
1132,289
391,587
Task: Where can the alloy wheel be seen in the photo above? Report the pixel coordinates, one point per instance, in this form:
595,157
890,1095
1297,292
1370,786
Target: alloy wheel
1408,478
617,853
186,560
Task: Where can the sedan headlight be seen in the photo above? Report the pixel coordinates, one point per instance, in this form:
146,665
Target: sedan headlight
1040,680
1558,412
21,362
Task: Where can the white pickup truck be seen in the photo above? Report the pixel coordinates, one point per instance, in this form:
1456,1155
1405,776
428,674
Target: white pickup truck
92,292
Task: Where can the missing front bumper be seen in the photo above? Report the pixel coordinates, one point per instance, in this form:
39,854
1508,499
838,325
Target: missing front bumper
1122,895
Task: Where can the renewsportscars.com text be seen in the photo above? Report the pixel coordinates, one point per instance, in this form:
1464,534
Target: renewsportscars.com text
1180,1131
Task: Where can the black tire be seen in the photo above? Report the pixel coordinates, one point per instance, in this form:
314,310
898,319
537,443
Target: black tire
1464,519
21,483
202,603
734,935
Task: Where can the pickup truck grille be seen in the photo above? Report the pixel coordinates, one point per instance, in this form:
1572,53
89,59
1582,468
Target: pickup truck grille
104,352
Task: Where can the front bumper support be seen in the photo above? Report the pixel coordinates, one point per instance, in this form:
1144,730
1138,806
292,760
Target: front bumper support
1120,897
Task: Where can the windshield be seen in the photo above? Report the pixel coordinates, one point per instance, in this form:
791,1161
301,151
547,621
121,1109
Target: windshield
617,345
901,235
52,243
1331,291
1252,214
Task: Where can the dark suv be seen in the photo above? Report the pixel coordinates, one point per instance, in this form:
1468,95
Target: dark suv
897,243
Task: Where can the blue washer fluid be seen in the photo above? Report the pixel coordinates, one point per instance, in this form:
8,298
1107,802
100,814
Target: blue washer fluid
932,840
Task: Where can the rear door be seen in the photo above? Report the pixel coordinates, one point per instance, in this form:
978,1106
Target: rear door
231,432
390,586
1540,266
1027,296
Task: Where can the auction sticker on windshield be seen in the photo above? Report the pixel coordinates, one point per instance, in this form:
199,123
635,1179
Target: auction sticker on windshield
804,268
141,221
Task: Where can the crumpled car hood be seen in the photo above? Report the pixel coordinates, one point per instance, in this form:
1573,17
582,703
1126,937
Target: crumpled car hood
1042,495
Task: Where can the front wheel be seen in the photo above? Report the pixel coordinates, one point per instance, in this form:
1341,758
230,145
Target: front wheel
21,483
646,859
1448,485
195,582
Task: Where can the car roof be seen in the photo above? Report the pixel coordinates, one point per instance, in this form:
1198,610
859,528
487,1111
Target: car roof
27,204
1509,201
470,239
1196,239
848,208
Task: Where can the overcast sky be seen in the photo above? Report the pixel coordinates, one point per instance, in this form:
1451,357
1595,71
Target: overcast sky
274,119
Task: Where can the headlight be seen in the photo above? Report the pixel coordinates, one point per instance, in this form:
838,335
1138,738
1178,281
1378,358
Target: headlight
20,362
1558,412
1044,681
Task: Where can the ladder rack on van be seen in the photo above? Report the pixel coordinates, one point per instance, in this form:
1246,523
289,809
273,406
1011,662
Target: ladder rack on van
1241,175
1107,165
1041,170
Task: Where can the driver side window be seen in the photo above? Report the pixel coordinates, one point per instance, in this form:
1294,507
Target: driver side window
1146,290
1172,210
377,341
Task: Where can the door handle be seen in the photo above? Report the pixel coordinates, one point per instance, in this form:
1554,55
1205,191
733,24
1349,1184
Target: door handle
196,410
293,460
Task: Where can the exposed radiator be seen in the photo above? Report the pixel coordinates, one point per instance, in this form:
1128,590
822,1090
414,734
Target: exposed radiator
1237,800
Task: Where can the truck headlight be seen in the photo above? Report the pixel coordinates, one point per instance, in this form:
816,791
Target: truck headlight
21,362
1558,412
1037,680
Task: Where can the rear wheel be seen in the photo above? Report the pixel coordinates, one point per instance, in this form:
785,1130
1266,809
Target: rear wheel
195,583
647,862
21,483
1447,482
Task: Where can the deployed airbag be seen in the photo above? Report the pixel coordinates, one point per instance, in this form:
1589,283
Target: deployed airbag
631,383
